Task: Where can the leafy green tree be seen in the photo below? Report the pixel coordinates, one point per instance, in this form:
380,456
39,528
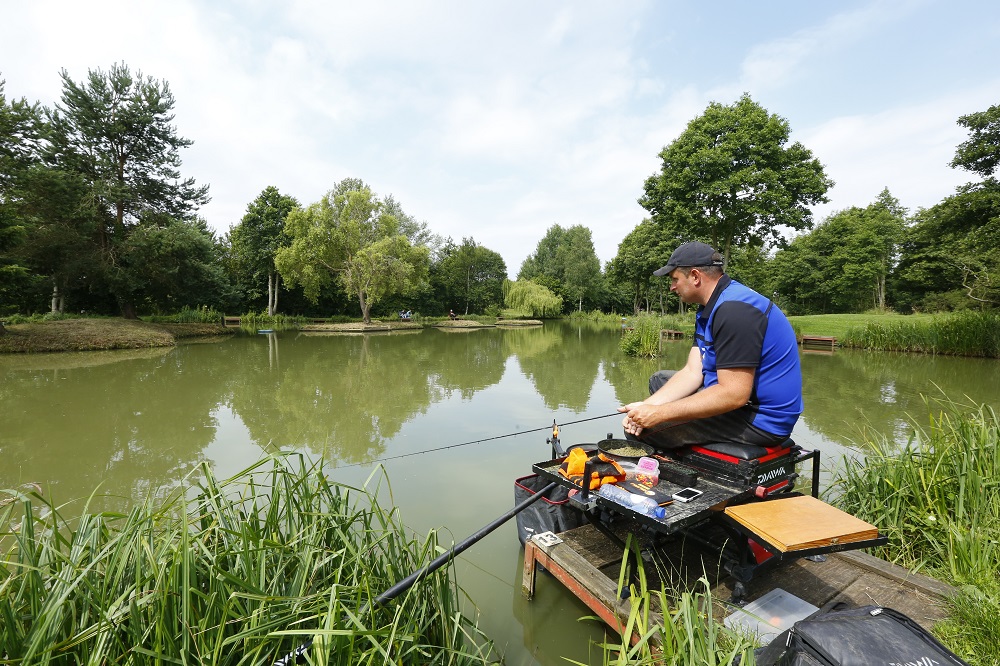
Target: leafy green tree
173,263
565,262
581,267
257,238
981,152
527,298
950,257
842,265
730,178
469,274
116,131
348,237
56,210
750,265
416,231
19,144
645,249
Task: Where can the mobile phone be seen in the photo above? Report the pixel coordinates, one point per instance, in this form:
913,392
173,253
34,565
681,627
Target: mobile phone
686,495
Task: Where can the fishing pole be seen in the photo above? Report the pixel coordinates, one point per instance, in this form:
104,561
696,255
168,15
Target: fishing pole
298,654
475,441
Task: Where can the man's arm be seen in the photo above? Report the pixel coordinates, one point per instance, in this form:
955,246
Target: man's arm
731,392
682,384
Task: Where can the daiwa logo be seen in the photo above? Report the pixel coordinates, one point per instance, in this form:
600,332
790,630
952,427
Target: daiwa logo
773,474
923,661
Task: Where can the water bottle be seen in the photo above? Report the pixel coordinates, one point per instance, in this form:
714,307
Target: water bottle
645,505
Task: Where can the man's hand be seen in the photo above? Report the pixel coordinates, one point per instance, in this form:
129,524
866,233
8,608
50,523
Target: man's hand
638,417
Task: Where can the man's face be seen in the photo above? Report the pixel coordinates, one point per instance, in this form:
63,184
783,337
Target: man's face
684,285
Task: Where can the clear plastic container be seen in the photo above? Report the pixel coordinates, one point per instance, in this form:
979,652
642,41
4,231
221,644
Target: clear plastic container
646,505
647,471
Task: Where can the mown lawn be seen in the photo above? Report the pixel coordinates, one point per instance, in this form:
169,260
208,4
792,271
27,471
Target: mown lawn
836,325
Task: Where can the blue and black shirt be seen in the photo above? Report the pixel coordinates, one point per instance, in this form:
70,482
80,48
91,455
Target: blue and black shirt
739,328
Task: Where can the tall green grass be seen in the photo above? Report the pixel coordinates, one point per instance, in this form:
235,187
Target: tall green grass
241,574
253,321
672,628
644,337
965,333
937,498
596,315
188,315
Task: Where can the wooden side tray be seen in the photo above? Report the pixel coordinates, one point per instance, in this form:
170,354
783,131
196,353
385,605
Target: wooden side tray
801,523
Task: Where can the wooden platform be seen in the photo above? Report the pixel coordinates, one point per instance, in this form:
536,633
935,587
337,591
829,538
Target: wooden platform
818,342
587,563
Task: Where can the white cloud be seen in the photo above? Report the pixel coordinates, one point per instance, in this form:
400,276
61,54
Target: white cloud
498,120
907,149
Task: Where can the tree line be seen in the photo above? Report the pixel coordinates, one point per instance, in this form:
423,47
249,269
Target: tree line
96,217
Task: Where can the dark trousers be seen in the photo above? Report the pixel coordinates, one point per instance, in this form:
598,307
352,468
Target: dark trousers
735,426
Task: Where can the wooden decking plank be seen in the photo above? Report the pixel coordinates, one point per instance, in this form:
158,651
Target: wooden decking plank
926,610
852,576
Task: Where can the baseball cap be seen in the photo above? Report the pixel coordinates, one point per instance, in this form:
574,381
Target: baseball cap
690,254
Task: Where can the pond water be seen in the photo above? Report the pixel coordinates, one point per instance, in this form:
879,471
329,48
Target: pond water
134,422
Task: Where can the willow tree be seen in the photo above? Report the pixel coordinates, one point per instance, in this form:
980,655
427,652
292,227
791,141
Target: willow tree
531,299
349,238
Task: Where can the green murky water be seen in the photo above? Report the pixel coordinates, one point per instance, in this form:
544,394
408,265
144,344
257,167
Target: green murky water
133,423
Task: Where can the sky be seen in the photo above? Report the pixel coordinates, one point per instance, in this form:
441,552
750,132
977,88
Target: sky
497,120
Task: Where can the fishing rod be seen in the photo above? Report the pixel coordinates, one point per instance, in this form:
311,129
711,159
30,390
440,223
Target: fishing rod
298,654
475,441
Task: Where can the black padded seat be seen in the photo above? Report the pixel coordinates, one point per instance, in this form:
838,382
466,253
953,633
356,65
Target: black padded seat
744,451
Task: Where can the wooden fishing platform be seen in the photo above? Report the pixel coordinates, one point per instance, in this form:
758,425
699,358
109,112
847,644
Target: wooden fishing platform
748,532
818,342
588,564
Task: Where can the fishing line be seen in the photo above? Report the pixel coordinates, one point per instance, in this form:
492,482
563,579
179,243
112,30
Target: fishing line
475,441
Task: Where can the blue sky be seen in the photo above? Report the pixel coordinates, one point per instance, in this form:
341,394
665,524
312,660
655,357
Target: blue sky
498,120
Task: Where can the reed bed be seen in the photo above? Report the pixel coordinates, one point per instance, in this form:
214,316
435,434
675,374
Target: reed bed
644,337
967,333
937,498
253,321
239,571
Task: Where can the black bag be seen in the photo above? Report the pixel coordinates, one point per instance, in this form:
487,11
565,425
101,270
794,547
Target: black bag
552,513
868,636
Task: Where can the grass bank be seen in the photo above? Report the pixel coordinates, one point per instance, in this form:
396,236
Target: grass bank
243,573
967,333
838,325
99,334
938,499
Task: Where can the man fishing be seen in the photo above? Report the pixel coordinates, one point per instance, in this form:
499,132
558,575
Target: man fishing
741,383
